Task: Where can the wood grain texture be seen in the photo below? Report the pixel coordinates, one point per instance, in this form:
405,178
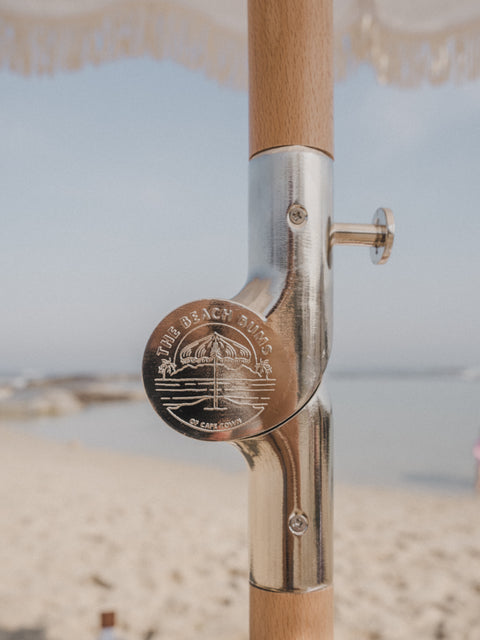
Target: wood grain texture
290,48
291,616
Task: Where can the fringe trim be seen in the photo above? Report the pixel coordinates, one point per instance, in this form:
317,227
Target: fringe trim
410,59
45,45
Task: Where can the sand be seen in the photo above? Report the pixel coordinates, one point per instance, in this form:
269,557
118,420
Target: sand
165,546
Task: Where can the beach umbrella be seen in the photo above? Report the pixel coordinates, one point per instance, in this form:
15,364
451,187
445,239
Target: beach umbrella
215,350
282,317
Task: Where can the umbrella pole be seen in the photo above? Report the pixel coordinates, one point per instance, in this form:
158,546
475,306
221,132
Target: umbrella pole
290,48
283,318
291,104
215,382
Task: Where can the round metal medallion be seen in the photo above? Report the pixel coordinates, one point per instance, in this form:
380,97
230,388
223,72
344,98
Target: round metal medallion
211,370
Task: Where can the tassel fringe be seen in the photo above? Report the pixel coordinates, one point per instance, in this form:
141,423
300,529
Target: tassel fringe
46,45
410,59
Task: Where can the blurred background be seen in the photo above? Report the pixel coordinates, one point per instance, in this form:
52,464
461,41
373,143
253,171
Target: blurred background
124,195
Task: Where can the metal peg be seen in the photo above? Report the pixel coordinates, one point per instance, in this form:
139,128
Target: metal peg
378,235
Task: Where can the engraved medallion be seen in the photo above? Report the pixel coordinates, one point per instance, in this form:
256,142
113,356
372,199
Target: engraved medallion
210,371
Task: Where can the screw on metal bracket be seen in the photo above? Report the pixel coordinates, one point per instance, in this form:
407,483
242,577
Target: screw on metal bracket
298,524
297,214
378,236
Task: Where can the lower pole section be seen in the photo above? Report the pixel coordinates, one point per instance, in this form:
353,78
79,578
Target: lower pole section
291,616
291,502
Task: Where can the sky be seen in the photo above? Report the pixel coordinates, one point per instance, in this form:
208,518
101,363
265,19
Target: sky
124,194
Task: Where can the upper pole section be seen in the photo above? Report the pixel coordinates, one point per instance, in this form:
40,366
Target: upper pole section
290,49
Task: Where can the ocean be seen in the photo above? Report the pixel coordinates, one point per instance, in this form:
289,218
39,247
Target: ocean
414,431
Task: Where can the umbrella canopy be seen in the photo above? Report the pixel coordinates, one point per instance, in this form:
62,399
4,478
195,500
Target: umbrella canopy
214,347
406,42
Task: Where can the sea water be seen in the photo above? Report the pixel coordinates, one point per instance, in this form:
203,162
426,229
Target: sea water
387,430
406,431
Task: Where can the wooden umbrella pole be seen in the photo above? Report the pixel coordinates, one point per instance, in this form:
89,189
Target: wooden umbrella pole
290,74
291,616
291,103
276,410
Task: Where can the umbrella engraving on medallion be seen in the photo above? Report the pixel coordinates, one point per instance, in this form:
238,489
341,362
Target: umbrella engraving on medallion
216,381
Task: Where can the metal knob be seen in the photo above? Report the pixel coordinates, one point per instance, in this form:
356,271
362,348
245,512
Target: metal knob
378,236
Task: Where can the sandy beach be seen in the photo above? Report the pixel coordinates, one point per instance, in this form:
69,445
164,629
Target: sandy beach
165,546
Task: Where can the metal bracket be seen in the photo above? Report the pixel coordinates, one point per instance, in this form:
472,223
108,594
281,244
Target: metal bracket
232,369
249,370
290,505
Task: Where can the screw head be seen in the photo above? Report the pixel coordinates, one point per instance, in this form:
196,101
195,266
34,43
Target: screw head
298,524
297,214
